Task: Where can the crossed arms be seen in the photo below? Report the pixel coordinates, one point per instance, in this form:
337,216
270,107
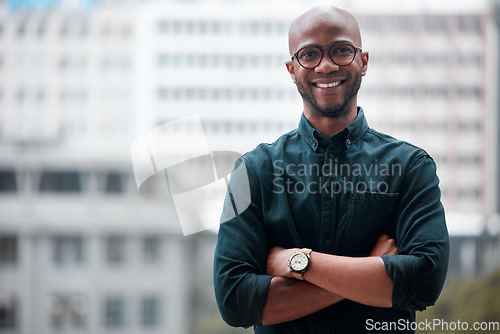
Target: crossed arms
328,280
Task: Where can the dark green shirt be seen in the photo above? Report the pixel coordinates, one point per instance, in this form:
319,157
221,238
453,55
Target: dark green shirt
337,197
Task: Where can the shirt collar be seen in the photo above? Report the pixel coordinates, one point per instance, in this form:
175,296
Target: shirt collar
352,133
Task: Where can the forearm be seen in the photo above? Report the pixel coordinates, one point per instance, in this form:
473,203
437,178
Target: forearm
363,280
290,299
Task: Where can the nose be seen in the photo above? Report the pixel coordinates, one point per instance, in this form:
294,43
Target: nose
326,65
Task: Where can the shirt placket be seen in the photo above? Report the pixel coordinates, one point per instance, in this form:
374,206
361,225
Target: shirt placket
328,203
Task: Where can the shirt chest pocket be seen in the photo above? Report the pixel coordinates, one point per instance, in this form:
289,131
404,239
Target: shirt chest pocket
369,215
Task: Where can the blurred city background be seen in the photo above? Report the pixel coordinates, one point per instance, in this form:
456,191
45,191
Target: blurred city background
81,251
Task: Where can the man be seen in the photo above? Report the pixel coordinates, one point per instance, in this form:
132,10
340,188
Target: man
304,257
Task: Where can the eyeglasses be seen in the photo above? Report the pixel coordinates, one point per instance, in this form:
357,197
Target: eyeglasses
342,54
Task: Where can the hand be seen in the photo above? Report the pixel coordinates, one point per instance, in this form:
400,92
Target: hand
384,246
277,262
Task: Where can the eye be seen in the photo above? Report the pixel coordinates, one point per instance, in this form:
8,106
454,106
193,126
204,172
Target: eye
309,54
342,50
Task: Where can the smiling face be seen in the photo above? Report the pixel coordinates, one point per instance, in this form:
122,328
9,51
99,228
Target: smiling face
328,90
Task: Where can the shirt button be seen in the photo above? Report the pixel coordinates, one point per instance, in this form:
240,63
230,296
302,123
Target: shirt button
327,242
348,141
326,331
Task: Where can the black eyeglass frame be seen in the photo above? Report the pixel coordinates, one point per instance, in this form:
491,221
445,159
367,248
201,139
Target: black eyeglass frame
330,46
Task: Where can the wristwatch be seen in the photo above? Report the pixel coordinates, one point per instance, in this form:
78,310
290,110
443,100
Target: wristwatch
298,263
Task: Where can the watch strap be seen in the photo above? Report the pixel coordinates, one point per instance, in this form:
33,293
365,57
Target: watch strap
300,274
306,251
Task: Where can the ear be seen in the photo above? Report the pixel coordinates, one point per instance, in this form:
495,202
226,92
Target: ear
291,69
364,62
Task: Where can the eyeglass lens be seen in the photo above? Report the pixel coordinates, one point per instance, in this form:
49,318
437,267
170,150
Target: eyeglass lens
341,54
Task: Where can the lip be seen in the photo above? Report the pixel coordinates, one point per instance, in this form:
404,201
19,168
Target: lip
328,84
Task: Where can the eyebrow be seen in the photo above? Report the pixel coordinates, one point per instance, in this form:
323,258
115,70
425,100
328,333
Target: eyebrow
336,42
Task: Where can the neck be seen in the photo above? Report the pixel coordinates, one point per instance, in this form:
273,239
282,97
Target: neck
329,126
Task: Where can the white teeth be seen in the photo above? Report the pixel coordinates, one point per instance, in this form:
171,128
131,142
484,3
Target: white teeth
328,85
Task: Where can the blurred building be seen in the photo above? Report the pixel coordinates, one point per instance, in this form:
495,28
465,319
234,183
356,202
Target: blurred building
82,251
497,166
433,81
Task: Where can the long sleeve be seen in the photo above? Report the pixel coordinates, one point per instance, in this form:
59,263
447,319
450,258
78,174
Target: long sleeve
240,283
419,270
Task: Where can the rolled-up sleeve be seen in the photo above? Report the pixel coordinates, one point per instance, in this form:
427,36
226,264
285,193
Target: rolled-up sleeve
240,283
419,270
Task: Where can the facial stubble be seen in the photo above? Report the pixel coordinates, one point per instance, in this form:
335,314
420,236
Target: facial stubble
334,109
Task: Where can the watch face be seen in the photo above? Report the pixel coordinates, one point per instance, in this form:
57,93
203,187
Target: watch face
299,262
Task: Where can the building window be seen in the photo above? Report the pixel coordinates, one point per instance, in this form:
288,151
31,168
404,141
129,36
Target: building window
64,29
436,24
61,181
126,31
436,126
114,183
440,159
475,60
150,311
405,92
470,24
8,312
437,59
469,193
83,30
469,93
56,308
436,92
115,250
106,30
21,95
78,311
40,95
114,312
68,250
63,63
403,24
371,24
473,159
21,28
152,249
8,249
67,311
7,181
470,126
42,28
